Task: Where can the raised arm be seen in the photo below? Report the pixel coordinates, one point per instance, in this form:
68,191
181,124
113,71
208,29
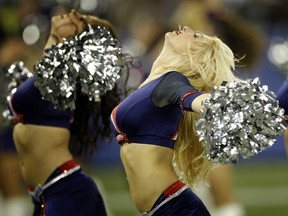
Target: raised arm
65,26
175,88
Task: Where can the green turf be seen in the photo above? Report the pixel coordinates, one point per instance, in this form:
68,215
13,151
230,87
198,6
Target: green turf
267,211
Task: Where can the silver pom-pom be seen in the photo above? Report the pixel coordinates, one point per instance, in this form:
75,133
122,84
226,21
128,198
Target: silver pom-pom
91,61
239,119
16,74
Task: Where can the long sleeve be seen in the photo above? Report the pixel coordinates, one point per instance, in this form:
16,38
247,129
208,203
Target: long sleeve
175,88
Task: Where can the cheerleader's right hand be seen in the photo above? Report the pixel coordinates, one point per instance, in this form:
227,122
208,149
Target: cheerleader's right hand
67,25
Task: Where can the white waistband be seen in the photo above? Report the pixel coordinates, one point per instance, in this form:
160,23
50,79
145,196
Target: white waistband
40,188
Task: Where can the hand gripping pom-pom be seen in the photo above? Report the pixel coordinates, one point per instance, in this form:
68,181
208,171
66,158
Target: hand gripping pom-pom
92,60
239,119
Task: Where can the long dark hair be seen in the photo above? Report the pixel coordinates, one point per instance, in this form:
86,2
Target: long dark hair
92,119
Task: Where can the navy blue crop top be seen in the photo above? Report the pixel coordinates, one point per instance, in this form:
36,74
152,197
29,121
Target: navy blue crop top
153,112
29,107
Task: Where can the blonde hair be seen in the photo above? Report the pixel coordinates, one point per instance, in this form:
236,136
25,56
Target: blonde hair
207,63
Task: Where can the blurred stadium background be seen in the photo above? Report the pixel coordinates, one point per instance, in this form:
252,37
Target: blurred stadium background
261,183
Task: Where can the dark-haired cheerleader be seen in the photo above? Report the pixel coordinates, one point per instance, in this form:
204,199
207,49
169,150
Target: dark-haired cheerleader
60,107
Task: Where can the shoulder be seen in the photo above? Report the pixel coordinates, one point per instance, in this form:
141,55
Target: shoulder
175,74
172,78
170,88
28,86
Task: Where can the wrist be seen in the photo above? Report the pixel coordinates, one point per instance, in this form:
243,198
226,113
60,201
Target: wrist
197,102
52,40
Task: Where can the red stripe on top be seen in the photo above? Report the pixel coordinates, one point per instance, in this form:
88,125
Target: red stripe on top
18,117
184,96
174,137
122,136
114,119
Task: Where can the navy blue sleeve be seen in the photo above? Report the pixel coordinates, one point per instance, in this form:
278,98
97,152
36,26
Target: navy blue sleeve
175,88
282,97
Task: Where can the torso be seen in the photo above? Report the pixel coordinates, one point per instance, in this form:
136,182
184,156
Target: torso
41,149
147,146
149,172
41,135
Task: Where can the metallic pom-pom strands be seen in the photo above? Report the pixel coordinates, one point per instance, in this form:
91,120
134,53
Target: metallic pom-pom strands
239,119
16,74
92,60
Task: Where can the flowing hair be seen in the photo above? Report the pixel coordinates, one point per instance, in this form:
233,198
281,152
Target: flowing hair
207,63
91,118
211,62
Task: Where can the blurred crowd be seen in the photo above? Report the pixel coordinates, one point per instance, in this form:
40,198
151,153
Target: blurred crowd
24,25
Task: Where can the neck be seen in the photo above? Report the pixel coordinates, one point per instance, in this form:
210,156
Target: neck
155,72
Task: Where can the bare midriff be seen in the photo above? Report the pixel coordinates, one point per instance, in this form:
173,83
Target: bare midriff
41,149
149,172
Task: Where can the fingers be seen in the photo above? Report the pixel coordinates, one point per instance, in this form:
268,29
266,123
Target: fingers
77,14
77,19
58,21
67,25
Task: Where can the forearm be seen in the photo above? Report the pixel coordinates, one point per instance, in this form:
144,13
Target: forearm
52,40
197,102
64,27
